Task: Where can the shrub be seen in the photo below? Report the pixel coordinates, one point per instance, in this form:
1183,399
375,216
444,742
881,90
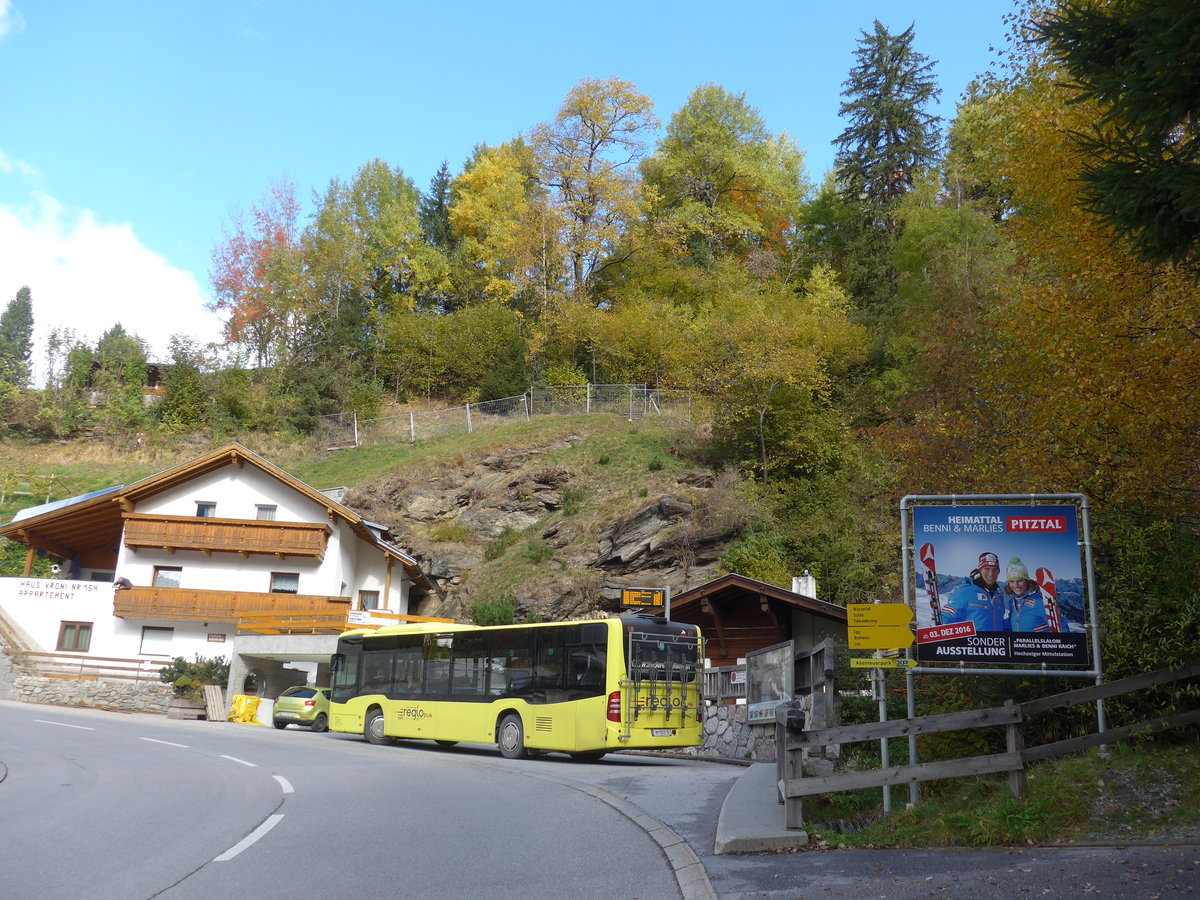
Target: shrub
537,553
189,678
502,611
456,532
572,499
499,546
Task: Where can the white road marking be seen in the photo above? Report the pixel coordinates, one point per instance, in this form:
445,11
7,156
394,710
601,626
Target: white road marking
249,839
168,743
242,761
284,783
64,724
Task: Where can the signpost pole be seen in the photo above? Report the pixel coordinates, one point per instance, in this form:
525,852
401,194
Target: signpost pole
880,687
906,548
911,706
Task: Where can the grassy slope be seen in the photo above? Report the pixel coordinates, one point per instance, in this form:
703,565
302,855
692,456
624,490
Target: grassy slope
1141,791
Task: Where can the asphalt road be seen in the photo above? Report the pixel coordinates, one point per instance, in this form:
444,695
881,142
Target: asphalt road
108,805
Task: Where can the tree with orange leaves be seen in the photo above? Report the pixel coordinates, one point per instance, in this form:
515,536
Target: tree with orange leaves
255,271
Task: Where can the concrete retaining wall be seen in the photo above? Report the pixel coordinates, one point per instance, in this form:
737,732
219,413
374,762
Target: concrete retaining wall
121,695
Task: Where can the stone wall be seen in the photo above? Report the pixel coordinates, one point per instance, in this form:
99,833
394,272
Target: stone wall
128,696
727,735
8,675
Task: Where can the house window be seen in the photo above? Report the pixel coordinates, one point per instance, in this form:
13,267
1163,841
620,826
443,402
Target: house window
368,599
265,513
285,582
75,636
99,575
205,510
156,641
167,576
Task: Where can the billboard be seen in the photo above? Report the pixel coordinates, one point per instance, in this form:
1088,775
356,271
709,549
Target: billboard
770,680
999,583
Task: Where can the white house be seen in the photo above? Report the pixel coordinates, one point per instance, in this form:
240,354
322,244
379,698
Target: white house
182,562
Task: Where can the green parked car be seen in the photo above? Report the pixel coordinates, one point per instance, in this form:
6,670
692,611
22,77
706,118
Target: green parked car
302,705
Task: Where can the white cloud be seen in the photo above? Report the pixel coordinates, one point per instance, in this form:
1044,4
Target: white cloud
11,21
87,276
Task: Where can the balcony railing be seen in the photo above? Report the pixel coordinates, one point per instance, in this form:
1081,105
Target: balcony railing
242,536
292,622
221,606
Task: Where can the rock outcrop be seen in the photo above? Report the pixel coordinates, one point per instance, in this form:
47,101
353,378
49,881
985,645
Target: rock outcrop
458,520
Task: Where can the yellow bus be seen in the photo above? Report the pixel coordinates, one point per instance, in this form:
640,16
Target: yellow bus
582,688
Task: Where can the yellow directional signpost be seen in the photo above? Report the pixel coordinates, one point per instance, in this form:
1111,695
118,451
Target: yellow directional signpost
879,626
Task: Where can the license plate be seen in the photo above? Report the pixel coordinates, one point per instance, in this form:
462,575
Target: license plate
662,732
288,715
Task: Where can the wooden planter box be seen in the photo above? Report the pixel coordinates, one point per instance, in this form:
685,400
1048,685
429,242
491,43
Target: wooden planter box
180,708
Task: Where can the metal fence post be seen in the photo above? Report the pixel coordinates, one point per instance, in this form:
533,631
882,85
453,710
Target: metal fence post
469,418
412,428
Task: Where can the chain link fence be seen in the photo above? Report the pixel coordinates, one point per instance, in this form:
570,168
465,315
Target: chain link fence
634,401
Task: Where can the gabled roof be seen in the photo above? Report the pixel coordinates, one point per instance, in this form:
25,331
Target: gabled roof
734,585
738,615
68,527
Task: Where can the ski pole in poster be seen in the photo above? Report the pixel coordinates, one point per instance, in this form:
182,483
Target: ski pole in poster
929,573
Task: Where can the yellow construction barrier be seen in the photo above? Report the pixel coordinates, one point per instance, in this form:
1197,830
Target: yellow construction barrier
244,709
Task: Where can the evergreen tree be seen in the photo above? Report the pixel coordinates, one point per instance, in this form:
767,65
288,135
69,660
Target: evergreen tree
889,141
434,211
16,339
1140,59
890,137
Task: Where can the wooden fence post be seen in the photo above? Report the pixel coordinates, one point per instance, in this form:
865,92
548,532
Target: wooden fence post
1014,733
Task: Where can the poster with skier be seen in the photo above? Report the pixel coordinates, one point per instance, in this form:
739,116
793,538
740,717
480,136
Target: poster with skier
999,584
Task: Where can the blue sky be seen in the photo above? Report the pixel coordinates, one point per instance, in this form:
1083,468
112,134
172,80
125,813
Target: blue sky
130,131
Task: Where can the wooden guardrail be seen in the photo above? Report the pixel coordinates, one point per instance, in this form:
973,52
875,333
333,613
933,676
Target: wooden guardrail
1013,761
84,668
306,621
723,683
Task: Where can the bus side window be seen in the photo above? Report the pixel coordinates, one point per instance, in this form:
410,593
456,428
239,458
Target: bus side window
510,667
586,669
377,671
436,654
470,666
549,671
408,671
345,677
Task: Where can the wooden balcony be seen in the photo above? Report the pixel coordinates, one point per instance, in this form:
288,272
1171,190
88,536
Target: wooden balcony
242,536
227,606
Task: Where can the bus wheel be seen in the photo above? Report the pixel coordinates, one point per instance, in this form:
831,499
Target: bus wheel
589,756
321,723
373,728
512,737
